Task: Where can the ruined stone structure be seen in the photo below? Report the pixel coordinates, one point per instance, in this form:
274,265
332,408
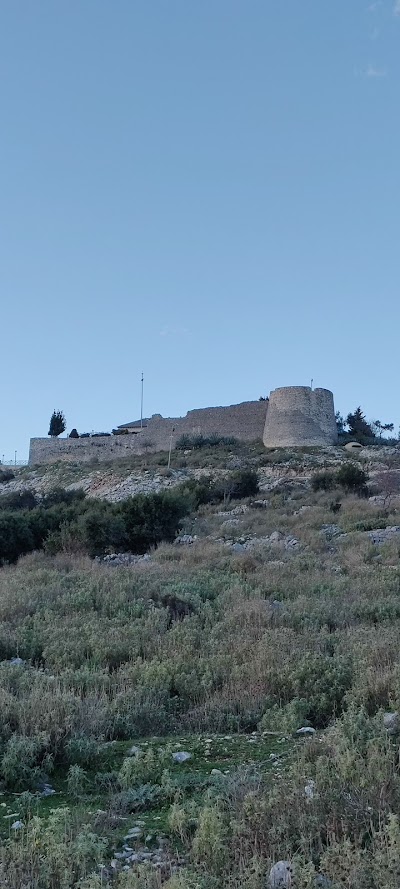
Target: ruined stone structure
244,421
299,416
295,416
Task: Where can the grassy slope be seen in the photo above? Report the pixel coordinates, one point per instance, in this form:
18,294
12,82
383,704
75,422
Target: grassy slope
108,659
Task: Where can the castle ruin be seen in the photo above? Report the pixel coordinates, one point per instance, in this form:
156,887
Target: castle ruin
294,416
299,416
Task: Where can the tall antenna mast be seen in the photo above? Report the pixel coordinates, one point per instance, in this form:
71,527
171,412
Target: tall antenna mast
141,404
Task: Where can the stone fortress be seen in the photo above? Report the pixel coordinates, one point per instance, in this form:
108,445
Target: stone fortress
293,416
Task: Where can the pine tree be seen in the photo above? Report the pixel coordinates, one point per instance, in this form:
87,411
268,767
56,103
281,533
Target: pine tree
57,424
358,425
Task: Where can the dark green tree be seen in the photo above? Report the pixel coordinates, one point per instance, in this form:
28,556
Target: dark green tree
57,424
74,433
358,425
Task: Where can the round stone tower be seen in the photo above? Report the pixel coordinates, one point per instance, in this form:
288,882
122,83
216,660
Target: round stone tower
298,416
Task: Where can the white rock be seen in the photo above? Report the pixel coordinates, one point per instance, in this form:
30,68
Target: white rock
17,825
310,790
305,730
391,722
281,875
181,756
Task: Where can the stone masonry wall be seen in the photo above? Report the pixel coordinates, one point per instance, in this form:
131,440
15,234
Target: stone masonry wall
244,421
299,416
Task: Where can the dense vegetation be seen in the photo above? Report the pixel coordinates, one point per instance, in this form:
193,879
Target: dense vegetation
66,520
204,648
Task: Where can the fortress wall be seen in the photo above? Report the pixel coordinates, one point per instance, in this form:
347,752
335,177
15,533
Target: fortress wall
299,416
244,421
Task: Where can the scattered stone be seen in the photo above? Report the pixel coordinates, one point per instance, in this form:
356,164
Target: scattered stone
216,772
305,730
330,531
181,756
116,559
281,875
322,882
391,722
134,751
185,540
17,662
383,535
310,790
17,825
133,834
238,510
47,790
259,504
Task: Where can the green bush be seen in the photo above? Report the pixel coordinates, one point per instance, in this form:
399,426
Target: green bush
322,682
146,767
19,766
15,536
243,483
353,479
18,500
6,475
81,750
323,481
187,442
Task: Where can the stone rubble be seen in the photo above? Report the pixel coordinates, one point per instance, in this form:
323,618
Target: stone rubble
116,559
383,535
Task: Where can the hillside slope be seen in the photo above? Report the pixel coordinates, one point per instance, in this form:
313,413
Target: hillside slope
214,714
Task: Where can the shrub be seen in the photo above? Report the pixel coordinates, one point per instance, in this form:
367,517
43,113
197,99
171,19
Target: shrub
147,767
243,483
353,479
323,481
15,537
18,500
187,442
20,763
210,840
322,682
76,782
6,475
81,750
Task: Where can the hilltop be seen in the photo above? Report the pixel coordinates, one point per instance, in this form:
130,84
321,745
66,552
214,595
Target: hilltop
116,480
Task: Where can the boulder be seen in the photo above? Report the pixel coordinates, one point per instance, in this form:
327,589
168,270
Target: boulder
181,756
281,875
391,722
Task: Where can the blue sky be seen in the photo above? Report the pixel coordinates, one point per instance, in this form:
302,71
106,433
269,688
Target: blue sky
203,190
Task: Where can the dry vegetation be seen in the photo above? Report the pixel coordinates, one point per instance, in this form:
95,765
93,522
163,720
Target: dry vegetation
238,633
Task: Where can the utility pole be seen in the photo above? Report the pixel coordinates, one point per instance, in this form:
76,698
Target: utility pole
141,404
170,447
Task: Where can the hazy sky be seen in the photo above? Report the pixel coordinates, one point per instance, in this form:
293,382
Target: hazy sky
205,190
